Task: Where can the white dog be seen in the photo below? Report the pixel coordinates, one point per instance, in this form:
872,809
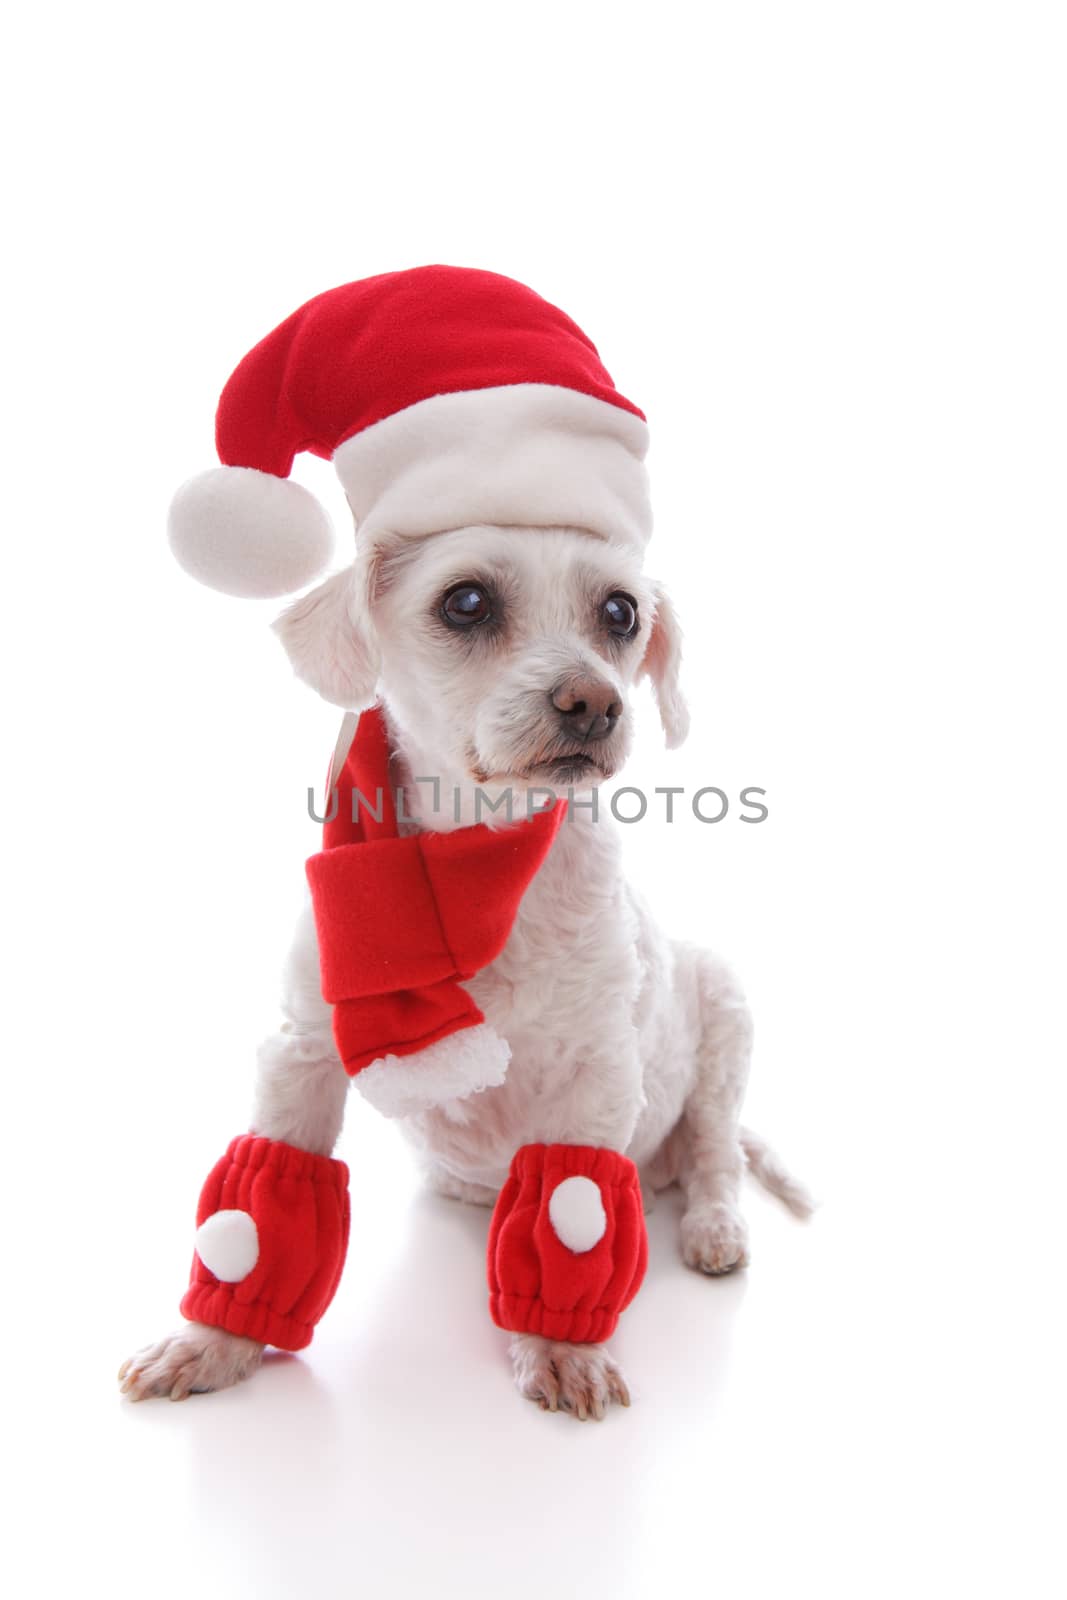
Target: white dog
502,657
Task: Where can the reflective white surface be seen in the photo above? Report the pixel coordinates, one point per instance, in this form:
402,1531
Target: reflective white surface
863,1409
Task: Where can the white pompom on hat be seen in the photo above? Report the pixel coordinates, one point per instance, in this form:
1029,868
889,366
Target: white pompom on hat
444,396
249,533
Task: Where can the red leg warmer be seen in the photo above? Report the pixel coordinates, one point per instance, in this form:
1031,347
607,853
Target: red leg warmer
272,1230
567,1243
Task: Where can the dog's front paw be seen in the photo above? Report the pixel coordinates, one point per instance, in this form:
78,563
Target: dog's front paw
714,1239
581,1379
194,1360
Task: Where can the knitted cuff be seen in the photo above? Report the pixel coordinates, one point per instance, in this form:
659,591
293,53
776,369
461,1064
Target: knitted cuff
567,1243
272,1230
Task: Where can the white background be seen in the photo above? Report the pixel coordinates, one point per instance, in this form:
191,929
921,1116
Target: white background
823,246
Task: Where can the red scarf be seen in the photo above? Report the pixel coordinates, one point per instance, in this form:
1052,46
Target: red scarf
403,921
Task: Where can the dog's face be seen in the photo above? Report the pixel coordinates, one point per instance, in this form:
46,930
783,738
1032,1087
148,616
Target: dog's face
504,654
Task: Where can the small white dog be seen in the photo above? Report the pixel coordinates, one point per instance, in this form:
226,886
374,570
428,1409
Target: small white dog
502,657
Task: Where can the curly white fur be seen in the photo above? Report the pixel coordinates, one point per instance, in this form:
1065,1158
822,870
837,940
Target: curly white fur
618,1036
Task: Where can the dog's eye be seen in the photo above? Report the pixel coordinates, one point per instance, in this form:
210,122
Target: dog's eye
466,605
619,612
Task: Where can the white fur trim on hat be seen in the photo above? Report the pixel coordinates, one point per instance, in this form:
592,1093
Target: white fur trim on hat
450,1069
249,533
532,454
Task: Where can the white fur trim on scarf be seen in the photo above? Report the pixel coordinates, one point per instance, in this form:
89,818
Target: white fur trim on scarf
532,454
450,1069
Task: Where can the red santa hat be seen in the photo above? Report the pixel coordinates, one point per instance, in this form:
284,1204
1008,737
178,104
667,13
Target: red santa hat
444,397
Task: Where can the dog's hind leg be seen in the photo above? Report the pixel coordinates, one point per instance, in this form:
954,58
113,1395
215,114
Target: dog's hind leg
714,1236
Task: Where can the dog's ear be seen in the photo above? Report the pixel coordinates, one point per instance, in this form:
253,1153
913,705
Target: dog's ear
661,661
329,638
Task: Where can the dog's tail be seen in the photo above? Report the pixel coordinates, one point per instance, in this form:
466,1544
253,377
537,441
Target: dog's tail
774,1176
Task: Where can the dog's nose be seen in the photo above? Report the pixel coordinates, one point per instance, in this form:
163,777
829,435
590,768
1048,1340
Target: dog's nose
588,708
